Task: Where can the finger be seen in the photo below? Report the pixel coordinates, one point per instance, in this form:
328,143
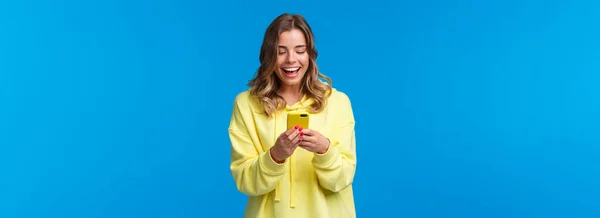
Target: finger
297,141
299,131
302,144
290,131
310,132
293,136
305,143
311,139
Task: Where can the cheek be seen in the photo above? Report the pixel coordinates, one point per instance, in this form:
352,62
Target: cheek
304,60
279,63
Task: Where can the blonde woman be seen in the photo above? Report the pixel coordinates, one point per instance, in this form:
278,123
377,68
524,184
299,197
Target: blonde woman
297,171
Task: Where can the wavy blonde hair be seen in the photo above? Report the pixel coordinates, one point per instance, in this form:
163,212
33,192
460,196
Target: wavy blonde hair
266,83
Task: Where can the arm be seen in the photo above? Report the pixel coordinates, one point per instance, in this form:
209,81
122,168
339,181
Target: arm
336,167
254,170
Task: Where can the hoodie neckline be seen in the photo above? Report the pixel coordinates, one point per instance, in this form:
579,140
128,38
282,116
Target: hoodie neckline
303,104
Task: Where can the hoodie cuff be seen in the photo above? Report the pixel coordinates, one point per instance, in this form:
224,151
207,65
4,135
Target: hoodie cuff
269,165
329,156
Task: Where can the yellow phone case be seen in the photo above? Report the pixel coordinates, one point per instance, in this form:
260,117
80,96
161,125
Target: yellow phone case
298,118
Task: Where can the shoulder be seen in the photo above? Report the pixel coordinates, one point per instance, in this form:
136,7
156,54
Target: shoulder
245,100
242,97
338,97
340,106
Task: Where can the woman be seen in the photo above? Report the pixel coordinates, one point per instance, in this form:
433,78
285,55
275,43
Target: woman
295,172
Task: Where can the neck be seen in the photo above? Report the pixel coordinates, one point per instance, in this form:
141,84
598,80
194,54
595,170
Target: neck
289,91
290,94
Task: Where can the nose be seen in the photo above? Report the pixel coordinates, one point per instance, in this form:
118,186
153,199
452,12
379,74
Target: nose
291,57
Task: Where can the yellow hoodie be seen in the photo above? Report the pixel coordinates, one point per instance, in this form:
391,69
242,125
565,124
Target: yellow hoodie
307,184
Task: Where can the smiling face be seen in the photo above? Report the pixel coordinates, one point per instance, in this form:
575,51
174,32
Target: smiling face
288,65
292,58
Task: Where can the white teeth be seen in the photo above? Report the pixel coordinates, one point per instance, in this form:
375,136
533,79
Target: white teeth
291,69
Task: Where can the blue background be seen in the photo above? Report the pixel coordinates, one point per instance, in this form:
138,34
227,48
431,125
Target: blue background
463,108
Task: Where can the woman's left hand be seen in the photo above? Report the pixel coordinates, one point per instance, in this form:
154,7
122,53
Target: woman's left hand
313,141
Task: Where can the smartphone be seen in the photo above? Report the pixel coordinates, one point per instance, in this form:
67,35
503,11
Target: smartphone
297,118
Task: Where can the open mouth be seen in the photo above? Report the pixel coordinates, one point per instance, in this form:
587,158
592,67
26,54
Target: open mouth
291,71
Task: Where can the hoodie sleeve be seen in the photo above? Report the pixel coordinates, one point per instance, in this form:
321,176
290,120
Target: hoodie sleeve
253,169
335,168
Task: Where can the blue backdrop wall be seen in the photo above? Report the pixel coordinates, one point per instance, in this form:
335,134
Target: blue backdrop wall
463,108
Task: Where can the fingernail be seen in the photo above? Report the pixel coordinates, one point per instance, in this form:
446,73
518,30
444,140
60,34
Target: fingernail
300,129
300,140
301,133
296,127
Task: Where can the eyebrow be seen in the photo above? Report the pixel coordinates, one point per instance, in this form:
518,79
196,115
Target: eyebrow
298,46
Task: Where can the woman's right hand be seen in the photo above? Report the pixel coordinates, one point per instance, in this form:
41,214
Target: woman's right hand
286,144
